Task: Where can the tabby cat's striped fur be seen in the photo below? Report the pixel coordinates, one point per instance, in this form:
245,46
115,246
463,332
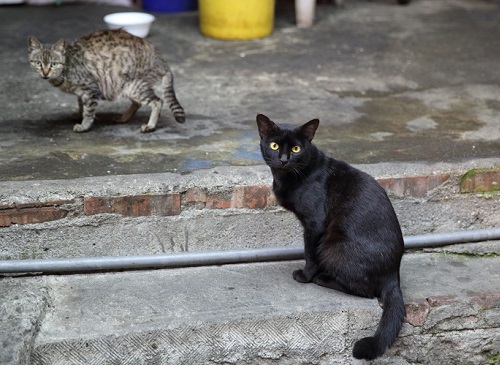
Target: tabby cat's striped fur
103,66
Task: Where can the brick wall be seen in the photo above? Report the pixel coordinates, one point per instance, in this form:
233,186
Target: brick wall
237,197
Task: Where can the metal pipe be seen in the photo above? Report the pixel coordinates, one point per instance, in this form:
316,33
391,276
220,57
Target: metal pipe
189,259
456,237
184,259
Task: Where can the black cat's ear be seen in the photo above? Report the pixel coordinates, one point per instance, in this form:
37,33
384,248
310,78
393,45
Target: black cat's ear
308,129
266,126
59,46
34,44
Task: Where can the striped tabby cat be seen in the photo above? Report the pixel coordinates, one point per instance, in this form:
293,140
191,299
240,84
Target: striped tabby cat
103,66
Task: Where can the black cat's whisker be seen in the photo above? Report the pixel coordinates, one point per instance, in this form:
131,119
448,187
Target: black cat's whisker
299,172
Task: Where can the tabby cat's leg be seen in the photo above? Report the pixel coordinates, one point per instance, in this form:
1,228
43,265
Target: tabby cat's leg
171,99
155,103
89,104
80,108
140,91
129,113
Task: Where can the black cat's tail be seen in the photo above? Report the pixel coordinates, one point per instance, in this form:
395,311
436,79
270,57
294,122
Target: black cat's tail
389,326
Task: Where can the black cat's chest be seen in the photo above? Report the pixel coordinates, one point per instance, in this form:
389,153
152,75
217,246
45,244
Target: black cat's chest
285,195
305,197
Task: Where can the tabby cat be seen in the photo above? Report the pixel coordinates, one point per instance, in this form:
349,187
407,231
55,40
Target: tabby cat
353,241
103,66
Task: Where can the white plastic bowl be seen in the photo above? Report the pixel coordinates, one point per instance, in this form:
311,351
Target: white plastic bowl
136,23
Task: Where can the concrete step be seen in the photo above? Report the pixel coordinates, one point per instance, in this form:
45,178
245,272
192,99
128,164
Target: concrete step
247,314
224,208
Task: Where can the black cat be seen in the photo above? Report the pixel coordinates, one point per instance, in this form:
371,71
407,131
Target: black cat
353,241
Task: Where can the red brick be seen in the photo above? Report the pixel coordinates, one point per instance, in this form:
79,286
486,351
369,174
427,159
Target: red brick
417,312
480,181
436,180
49,203
417,186
135,205
166,205
393,186
219,200
253,197
195,195
31,215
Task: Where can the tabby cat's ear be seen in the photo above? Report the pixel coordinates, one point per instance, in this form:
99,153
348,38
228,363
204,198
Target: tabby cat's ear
308,129
59,46
34,44
266,126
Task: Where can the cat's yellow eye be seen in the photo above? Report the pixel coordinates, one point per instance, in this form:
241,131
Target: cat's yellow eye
274,146
296,149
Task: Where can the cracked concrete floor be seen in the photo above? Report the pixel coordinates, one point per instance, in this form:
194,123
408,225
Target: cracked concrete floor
417,83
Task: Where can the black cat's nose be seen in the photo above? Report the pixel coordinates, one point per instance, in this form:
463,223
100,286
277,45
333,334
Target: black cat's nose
283,159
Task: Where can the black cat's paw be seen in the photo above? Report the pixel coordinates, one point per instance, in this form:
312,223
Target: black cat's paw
299,276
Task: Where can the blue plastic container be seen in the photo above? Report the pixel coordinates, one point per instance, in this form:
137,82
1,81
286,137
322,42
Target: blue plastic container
169,6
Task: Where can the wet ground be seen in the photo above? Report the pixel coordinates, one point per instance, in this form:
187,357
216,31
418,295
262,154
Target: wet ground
417,83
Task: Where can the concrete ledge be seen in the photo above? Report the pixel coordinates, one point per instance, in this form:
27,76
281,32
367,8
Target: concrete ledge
221,188
257,314
23,304
223,208
222,178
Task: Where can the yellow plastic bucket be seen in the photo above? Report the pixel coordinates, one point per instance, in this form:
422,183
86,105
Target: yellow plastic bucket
236,19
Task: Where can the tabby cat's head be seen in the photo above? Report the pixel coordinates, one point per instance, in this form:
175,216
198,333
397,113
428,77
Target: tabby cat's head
48,62
285,147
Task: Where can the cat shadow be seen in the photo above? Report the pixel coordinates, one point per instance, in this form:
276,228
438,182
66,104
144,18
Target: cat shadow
103,119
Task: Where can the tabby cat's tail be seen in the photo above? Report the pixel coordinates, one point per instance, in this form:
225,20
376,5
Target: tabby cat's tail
171,99
389,326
